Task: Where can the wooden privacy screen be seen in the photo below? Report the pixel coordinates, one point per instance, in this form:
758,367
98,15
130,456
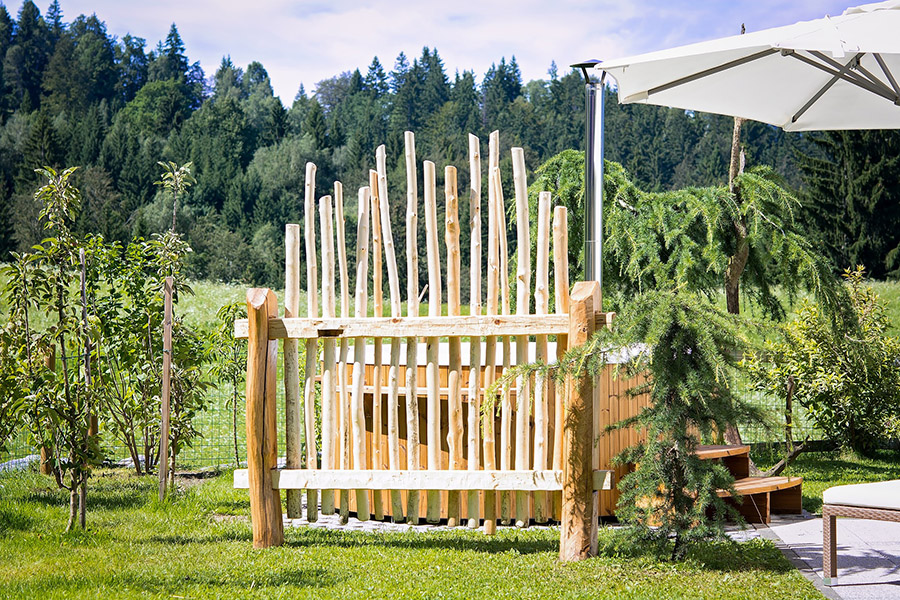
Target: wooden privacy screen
403,405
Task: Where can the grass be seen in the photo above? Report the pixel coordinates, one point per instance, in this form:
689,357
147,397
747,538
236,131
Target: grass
198,545
822,470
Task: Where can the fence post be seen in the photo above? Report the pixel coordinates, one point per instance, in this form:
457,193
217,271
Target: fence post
578,531
262,437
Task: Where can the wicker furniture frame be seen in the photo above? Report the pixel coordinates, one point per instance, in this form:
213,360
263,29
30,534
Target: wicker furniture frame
830,512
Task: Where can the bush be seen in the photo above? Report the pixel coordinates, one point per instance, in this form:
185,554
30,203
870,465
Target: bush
846,371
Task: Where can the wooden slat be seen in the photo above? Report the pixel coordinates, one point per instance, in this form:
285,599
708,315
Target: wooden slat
541,387
523,301
433,417
710,452
311,346
292,406
413,447
424,480
454,381
432,326
475,253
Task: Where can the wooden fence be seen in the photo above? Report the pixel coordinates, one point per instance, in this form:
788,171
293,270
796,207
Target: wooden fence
532,453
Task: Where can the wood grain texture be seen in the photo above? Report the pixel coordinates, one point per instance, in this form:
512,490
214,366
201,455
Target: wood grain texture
578,529
262,437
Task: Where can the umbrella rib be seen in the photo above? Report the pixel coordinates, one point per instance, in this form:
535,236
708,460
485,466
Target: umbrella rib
815,98
711,71
862,84
887,73
868,76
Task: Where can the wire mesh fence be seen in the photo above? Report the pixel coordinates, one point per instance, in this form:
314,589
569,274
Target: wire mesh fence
222,440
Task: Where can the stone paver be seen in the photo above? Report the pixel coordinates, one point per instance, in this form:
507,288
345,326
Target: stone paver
868,554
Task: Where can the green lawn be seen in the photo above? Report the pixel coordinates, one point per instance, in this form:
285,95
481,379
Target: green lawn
198,546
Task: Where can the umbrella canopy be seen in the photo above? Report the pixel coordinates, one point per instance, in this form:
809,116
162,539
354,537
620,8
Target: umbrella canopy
832,73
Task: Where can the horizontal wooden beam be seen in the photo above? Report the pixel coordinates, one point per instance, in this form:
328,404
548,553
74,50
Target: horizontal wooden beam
402,327
317,479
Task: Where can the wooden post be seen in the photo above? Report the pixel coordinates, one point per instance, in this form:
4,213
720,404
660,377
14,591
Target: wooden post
490,345
262,435
344,353
578,530
166,389
412,310
293,422
523,299
454,396
311,350
329,345
561,287
359,358
506,439
393,412
542,307
378,302
472,510
432,376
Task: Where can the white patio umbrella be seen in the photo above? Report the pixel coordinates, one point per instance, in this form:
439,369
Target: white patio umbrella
831,73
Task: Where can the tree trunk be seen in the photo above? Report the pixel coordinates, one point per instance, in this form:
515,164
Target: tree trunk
73,508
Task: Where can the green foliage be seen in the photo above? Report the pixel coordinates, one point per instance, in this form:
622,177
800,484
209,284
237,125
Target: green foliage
687,348
844,371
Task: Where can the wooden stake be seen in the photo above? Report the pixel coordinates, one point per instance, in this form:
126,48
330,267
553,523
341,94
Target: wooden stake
293,422
343,397
311,351
523,300
454,397
166,389
490,369
506,446
412,310
329,350
393,412
578,530
432,375
359,355
541,307
262,436
378,301
561,287
474,309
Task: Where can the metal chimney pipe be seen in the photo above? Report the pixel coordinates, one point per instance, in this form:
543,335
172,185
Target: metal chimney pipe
593,181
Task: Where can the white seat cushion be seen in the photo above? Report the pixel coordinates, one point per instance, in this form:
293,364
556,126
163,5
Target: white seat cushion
883,494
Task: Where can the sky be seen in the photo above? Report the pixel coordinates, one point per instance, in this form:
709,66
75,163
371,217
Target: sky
311,40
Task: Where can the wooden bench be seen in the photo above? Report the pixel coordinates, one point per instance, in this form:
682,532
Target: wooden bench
760,496
879,501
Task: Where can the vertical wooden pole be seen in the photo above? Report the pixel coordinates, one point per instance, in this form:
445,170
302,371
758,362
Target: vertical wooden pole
578,530
378,302
92,417
541,307
343,398
472,510
490,345
166,389
412,310
311,351
506,437
329,345
359,352
454,395
561,287
523,300
293,423
432,375
393,412
262,435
